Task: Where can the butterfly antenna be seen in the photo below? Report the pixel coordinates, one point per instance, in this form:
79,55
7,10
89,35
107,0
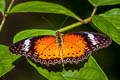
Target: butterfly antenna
64,21
49,22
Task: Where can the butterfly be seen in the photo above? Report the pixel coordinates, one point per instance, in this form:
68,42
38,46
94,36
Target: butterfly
68,48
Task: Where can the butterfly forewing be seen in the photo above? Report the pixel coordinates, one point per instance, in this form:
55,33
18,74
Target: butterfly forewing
94,41
78,46
27,46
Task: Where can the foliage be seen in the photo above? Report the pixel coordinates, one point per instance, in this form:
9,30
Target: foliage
2,6
7,60
107,22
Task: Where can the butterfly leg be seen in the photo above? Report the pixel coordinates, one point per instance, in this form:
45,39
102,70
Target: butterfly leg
60,53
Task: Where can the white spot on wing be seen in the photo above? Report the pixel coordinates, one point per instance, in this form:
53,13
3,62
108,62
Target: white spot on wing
92,38
26,45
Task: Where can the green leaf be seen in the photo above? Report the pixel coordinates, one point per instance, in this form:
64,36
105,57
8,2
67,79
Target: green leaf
114,17
109,23
2,6
6,60
90,71
42,7
31,33
104,2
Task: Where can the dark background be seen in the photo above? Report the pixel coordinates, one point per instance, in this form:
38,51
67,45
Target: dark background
108,58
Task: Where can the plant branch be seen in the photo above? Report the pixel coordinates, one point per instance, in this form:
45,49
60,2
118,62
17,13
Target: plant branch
74,25
6,14
79,23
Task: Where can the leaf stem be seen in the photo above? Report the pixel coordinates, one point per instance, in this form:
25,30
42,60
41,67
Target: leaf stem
5,14
94,11
10,6
2,22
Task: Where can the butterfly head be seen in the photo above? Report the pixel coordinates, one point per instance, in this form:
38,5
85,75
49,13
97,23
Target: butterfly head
58,33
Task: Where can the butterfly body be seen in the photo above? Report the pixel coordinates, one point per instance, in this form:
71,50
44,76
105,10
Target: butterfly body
68,48
59,41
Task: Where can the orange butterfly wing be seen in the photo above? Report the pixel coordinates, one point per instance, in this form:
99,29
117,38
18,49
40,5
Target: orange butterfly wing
74,47
46,50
